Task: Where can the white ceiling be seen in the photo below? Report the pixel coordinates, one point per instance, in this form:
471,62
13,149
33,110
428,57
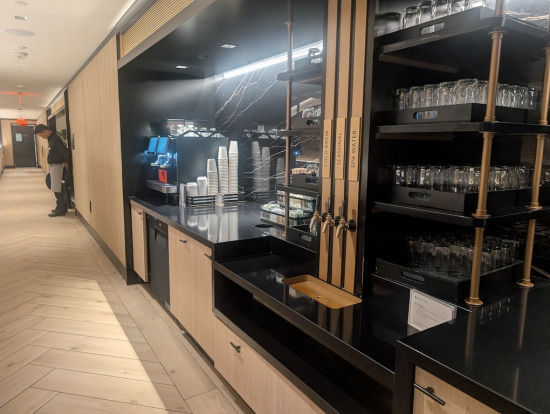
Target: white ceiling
66,33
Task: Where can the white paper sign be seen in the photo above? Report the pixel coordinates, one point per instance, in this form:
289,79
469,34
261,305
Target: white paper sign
426,311
19,137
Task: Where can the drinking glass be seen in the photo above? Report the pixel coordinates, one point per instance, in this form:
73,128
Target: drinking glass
466,91
470,4
534,99
409,16
457,6
514,97
524,97
441,252
402,98
428,96
482,92
503,95
438,177
399,175
423,176
424,12
415,96
446,93
440,8
410,176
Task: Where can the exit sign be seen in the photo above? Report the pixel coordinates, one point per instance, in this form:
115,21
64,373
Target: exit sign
21,121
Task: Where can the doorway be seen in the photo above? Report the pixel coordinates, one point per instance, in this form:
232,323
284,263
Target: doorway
24,146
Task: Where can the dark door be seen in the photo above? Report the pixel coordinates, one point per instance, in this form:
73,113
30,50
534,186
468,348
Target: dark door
24,146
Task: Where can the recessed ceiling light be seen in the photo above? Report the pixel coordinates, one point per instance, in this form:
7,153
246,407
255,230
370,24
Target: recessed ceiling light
182,67
20,18
20,47
21,64
229,46
19,86
19,32
21,3
20,55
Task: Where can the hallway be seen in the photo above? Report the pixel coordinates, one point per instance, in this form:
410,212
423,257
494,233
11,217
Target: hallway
73,336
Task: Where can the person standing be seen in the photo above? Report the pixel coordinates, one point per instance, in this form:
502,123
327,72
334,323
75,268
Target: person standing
58,159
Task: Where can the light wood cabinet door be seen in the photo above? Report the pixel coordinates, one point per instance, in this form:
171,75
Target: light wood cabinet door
276,394
456,401
235,361
139,243
179,253
199,297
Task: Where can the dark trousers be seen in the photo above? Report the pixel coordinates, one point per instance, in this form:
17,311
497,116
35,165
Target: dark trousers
61,201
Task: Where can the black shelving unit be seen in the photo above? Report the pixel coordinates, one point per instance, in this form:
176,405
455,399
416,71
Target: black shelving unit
302,132
296,190
462,49
312,74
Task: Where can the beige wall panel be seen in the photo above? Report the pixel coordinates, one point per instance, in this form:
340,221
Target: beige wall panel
6,141
99,112
78,131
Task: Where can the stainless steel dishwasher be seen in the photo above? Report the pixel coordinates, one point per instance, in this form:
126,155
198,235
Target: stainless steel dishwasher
158,260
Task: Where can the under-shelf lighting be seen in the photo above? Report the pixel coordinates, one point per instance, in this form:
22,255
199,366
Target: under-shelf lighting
296,54
228,46
181,67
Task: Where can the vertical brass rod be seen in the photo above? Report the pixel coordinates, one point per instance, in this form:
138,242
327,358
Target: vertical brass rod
476,269
537,171
481,210
290,46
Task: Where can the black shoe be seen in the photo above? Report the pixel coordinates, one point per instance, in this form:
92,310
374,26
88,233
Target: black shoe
56,213
54,210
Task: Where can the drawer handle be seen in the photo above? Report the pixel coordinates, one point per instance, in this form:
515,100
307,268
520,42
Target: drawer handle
139,212
209,257
236,347
429,391
183,241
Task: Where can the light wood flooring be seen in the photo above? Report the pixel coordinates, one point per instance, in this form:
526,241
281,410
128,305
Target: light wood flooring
74,338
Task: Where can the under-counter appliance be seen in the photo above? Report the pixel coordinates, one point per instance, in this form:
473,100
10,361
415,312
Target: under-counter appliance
157,236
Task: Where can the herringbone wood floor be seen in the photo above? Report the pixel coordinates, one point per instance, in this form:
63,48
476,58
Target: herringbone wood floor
73,337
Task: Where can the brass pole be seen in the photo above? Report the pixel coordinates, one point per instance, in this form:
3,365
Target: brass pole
290,46
537,171
481,211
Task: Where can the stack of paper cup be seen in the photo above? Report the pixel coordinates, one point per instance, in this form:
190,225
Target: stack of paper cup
266,164
212,176
192,189
256,166
280,171
223,170
233,167
202,184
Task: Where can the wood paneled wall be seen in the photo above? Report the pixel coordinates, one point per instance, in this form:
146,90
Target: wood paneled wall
7,144
95,124
42,146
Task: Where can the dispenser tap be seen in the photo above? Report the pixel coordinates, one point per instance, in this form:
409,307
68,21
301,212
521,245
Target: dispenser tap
328,221
315,219
350,225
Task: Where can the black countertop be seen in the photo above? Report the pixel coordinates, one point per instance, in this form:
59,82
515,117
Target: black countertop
499,354
212,224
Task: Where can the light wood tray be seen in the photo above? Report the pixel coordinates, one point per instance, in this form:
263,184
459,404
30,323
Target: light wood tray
322,292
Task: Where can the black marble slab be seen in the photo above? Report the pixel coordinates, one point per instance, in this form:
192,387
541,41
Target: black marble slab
498,354
212,225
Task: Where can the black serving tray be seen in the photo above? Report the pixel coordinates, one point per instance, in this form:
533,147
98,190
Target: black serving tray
446,287
301,236
305,181
456,113
465,203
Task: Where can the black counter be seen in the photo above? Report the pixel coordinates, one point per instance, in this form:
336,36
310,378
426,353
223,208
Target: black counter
499,354
211,225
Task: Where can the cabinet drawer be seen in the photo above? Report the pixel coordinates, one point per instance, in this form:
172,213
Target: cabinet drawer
456,401
235,361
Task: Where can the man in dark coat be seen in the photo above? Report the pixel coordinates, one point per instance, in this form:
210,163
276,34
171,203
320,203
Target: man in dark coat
58,158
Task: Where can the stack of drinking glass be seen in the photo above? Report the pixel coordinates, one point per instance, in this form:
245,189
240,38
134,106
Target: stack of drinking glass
466,91
461,178
450,254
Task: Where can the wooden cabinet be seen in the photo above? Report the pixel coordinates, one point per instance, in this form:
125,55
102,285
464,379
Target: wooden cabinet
235,360
139,243
191,287
456,401
262,386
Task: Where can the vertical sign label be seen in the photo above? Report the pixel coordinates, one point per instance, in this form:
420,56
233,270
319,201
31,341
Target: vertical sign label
354,169
327,149
340,148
